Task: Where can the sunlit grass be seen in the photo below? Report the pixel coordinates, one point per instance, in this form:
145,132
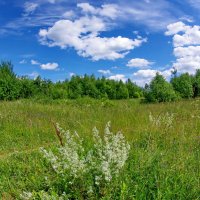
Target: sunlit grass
164,161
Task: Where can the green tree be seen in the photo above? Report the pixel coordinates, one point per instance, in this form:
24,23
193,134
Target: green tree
122,91
133,90
9,83
196,84
160,90
89,87
26,88
75,88
183,85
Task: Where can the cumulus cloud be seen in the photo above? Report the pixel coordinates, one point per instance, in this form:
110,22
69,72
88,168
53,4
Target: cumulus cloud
184,35
175,28
139,62
66,33
33,75
69,14
72,74
186,42
104,72
192,51
34,62
83,35
143,76
118,77
49,66
106,10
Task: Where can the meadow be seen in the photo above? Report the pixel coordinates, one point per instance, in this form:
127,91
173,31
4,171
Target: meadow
164,159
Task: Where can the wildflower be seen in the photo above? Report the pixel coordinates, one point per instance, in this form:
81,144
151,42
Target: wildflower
162,120
100,164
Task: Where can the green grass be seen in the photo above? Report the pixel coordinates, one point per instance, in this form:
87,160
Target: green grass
164,162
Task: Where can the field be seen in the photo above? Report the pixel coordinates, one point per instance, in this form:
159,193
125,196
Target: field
164,160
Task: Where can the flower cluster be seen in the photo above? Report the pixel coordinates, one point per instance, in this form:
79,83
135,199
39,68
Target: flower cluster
112,152
69,159
97,166
162,120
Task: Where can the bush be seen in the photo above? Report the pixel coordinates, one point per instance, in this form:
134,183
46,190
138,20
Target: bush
82,173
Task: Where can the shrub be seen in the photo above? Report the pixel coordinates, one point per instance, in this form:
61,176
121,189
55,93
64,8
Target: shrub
82,173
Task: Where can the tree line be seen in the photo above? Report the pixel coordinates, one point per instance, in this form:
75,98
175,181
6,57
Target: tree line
13,87
183,86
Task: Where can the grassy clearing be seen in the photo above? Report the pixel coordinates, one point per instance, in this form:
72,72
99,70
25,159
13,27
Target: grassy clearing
164,162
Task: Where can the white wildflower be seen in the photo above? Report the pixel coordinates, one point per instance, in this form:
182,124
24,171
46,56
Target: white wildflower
26,195
103,162
166,120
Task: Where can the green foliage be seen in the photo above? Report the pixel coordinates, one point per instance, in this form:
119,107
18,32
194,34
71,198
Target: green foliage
133,90
9,84
122,91
196,84
160,90
183,85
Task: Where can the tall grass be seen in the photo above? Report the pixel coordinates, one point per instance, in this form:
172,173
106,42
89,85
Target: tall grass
165,145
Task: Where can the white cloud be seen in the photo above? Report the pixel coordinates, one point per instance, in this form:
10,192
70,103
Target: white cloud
49,66
187,51
143,76
139,62
118,77
186,41
69,14
30,7
108,48
86,7
83,35
34,62
106,10
187,19
105,72
145,73
175,28
23,61
155,15
72,74
187,64
183,34
33,75
66,33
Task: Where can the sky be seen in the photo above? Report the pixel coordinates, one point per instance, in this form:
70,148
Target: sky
118,39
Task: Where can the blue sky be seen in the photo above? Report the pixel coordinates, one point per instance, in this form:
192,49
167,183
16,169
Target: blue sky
119,39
